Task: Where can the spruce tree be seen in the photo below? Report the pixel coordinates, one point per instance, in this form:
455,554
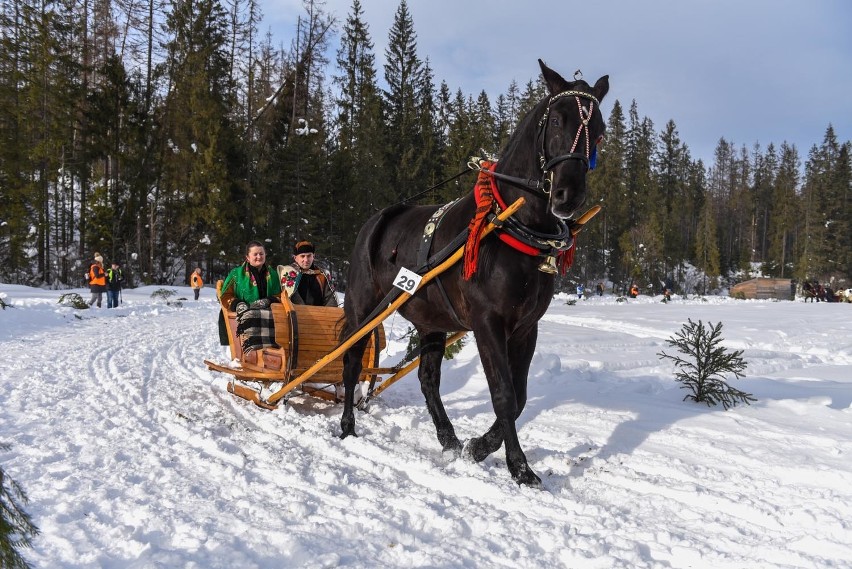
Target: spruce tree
785,217
707,248
598,244
672,164
765,170
825,195
403,75
359,159
16,526
706,364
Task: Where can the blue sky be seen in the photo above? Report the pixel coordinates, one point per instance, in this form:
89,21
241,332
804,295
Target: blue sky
751,71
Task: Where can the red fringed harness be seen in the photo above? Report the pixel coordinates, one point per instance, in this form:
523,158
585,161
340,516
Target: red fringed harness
486,193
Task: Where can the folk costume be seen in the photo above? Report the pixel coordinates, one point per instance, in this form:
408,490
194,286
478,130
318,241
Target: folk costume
250,291
306,286
247,284
97,280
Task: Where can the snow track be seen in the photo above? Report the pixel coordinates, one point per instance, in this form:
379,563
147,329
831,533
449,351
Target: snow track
134,455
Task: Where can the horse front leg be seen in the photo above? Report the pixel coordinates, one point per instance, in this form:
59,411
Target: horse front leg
506,367
352,365
429,373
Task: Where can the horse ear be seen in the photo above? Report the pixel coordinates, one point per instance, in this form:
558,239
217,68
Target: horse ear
555,82
601,87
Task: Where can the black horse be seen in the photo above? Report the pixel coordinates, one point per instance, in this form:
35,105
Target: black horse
506,282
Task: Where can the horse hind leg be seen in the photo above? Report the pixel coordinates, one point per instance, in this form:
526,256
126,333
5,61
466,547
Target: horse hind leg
429,372
352,365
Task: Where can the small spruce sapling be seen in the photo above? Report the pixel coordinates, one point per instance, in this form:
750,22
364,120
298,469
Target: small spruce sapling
704,374
16,526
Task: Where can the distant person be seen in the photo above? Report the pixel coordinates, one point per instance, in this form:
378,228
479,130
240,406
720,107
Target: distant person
303,281
97,280
196,282
115,282
580,290
634,291
808,291
600,289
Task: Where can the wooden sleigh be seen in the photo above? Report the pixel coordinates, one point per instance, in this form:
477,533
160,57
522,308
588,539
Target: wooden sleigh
310,356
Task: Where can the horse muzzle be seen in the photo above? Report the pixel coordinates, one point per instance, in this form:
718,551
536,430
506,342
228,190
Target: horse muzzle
564,202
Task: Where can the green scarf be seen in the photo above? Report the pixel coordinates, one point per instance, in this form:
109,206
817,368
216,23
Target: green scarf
245,287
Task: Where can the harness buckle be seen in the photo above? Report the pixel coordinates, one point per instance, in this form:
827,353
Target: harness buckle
547,182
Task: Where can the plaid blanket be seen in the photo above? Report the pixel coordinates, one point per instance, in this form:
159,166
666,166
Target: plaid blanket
256,328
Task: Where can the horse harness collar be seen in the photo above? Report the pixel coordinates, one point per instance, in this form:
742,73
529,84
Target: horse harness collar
525,239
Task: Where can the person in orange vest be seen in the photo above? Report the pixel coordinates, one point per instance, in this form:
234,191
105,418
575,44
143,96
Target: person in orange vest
97,280
634,291
196,282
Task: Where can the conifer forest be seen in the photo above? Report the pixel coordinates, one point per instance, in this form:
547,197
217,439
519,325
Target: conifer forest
167,134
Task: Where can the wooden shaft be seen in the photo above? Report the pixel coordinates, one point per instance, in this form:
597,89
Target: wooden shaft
578,225
367,328
411,365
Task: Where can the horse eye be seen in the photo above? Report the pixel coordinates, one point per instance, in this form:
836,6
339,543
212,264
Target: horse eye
554,121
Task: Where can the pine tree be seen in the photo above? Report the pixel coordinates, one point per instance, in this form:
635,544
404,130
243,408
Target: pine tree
193,196
640,148
461,146
598,245
403,74
706,246
825,192
16,526
765,170
703,373
359,159
671,166
784,216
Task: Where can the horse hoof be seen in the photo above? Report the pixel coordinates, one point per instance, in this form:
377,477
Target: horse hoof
473,451
453,452
348,432
527,478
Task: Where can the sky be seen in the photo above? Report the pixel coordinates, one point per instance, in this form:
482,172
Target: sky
134,455
756,71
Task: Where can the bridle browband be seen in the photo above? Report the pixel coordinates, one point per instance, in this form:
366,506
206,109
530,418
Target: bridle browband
545,183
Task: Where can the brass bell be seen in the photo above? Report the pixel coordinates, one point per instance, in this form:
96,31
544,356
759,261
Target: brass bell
549,265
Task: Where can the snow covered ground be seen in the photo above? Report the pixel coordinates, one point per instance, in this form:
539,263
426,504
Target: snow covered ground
133,454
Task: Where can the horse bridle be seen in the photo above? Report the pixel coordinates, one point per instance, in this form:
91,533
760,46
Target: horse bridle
546,182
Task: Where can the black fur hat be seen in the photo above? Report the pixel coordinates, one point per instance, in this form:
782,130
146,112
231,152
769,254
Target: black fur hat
303,247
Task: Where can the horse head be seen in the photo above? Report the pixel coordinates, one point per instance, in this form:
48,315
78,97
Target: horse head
569,129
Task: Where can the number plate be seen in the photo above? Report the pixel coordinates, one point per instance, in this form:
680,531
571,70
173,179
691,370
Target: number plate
407,280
